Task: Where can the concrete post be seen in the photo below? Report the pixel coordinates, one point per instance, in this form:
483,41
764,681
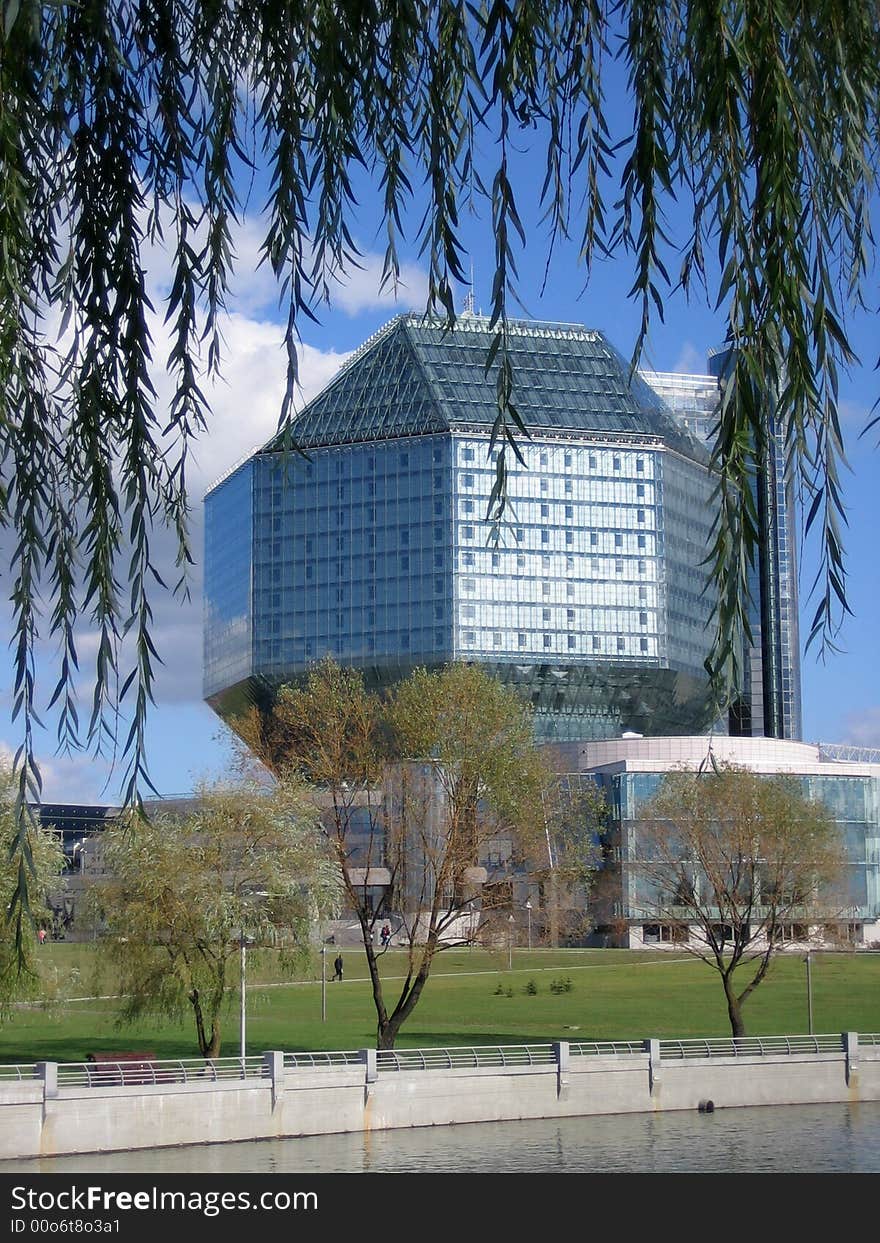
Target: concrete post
652,1048
561,1054
48,1072
273,1061
368,1057
851,1049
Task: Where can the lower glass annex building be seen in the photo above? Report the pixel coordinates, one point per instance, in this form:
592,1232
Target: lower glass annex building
375,548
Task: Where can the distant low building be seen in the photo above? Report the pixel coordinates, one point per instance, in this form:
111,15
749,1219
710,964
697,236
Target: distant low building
81,827
630,771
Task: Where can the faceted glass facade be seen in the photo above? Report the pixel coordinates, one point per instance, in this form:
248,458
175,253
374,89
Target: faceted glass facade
579,572
229,556
376,549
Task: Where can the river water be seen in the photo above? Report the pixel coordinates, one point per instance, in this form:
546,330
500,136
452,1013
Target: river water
831,1139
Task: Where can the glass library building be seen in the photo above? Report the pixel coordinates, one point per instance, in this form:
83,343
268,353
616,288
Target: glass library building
375,548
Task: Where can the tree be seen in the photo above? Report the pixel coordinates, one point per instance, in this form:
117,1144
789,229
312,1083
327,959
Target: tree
566,861
182,892
433,796
729,860
123,124
45,864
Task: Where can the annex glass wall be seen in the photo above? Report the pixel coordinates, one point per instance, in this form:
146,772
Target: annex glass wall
853,801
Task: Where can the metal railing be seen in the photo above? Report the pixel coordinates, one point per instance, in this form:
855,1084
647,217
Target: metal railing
141,1073
464,1057
25,1071
750,1046
306,1061
606,1048
138,1073
843,751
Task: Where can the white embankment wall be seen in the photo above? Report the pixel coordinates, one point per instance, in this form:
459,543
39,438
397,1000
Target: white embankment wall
51,1109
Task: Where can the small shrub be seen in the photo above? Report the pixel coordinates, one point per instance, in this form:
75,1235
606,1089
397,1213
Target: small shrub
562,985
499,991
531,988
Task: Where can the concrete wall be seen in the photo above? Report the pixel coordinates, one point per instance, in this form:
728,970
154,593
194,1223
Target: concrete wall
40,1118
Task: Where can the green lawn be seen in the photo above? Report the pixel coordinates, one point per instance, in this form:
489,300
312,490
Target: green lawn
614,995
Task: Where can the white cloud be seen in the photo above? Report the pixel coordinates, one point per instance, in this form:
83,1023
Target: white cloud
253,287
243,409
244,406
690,361
243,413
862,728
245,402
255,291
77,778
359,290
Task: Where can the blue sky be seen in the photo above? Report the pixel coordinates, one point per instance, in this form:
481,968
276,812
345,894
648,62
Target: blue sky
841,695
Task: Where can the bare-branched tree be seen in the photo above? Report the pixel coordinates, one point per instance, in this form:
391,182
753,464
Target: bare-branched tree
732,864
432,799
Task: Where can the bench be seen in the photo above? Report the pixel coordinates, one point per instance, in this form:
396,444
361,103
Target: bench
123,1068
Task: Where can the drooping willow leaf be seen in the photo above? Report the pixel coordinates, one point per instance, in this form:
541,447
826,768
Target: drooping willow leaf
123,122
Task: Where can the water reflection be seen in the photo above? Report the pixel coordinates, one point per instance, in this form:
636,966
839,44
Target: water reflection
794,1139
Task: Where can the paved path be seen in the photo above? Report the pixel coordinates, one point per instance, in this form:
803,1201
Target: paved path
362,979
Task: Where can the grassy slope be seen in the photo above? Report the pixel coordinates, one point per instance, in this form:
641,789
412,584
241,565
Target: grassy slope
614,995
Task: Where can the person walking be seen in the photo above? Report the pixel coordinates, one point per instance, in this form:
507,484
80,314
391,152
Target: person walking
337,967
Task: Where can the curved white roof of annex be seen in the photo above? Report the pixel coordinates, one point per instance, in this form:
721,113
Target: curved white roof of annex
763,755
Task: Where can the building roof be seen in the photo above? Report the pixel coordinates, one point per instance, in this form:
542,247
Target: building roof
761,755
417,377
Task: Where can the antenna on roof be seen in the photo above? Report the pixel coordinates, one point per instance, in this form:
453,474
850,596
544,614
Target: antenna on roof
469,298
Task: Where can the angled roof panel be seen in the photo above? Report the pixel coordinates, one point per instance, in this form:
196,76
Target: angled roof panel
416,377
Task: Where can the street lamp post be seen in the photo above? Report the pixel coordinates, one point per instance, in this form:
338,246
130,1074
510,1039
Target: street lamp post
242,1018
323,981
242,969
529,910
808,961
510,943
553,912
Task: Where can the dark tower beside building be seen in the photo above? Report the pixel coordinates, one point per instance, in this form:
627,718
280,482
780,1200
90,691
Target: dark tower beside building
770,701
